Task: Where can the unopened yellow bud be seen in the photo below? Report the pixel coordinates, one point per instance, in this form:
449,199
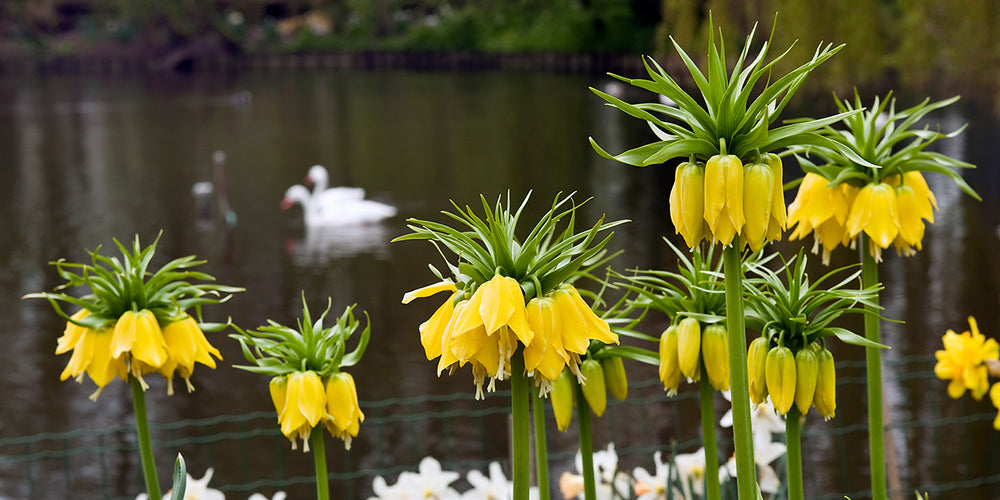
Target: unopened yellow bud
593,386
758,190
614,377
825,399
779,371
562,397
715,353
806,372
670,369
756,358
687,202
689,348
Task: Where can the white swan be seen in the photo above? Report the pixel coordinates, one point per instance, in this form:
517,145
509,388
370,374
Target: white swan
332,211
320,179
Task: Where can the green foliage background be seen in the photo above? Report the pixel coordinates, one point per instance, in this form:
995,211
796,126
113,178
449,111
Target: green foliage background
914,42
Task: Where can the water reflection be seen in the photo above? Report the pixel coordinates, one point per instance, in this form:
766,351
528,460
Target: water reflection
92,159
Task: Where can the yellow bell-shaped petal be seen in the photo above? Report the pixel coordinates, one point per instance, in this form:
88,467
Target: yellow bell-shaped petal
597,328
83,354
715,354
756,362
779,215
918,184
71,335
545,354
103,368
343,413
432,331
502,304
689,348
779,373
278,387
911,224
429,290
875,212
670,369
758,191
724,189
305,403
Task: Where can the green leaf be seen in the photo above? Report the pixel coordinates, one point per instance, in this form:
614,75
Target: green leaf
180,479
850,337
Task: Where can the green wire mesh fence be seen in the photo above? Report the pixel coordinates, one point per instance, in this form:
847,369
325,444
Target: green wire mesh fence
937,445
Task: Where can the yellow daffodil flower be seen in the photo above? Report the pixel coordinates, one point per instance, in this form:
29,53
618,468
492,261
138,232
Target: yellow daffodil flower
963,361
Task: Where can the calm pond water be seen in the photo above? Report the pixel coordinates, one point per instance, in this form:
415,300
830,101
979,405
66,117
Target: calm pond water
88,159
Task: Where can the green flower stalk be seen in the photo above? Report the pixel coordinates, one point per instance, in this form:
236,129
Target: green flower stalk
695,345
869,187
308,385
513,310
728,191
132,321
789,361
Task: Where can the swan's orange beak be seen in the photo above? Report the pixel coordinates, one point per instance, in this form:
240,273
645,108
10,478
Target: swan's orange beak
286,203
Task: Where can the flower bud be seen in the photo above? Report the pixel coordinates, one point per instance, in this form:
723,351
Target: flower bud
758,184
614,377
825,399
593,386
687,202
670,370
562,395
715,353
806,372
779,372
689,348
756,357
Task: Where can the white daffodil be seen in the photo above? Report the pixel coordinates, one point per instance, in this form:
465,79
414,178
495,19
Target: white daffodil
764,453
653,486
278,495
197,489
691,471
429,483
763,419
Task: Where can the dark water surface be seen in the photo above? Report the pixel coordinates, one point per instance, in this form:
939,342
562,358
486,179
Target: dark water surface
86,159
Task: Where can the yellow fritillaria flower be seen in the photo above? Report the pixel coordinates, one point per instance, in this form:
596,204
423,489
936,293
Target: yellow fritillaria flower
963,361
670,368
303,407
139,334
186,345
91,354
876,212
343,413
724,197
484,330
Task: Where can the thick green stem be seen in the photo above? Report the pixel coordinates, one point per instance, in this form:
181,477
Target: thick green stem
712,488
521,447
541,447
793,443
319,458
746,474
145,444
586,445
873,362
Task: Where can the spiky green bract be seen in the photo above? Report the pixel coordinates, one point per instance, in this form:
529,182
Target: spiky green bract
880,142
551,254
696,290
115,286
724,118
794,312
275,349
